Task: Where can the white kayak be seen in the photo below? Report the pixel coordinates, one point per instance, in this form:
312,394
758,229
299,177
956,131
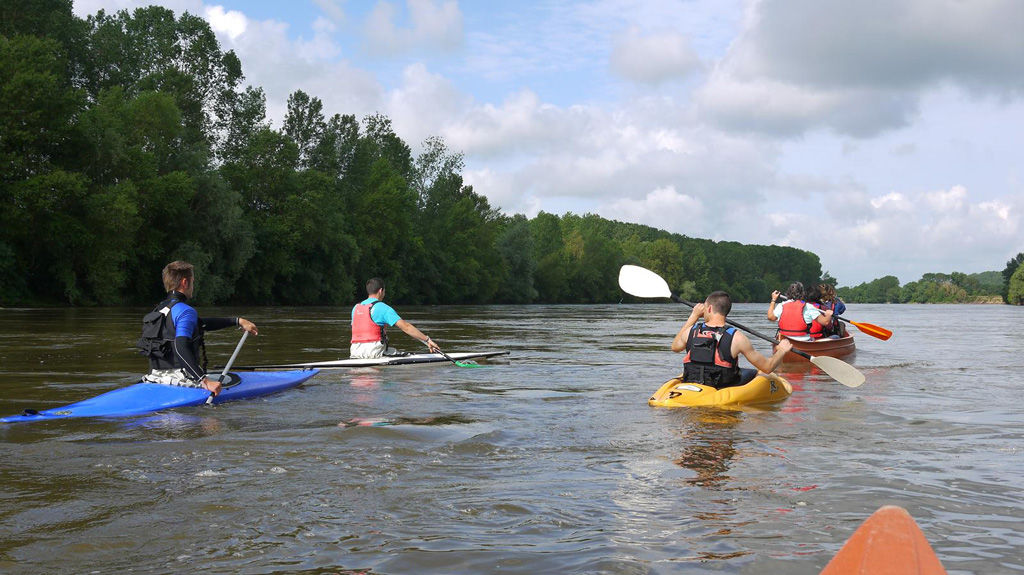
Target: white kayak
414,358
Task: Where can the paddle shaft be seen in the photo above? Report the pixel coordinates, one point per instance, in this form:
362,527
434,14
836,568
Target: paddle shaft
773,341
448,357
238,348
455,361
227,366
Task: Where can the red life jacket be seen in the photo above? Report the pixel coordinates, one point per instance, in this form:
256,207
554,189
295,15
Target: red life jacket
817,330
364,330
833,327
791,322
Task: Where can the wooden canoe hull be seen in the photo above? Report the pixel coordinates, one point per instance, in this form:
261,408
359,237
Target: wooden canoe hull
840,347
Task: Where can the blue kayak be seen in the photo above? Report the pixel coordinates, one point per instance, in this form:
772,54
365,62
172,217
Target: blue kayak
149,397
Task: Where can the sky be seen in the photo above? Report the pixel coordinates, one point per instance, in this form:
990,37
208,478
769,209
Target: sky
883,135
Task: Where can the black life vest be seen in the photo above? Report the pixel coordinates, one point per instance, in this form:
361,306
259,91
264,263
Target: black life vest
709,359
158,332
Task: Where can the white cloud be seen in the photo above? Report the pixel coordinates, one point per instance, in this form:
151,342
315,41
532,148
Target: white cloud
908,234
782,109
520,125
892,201
433,26
653,58
423,104
663,208
280,64
859,68
322,47
333,10
945,201
230,23
906,44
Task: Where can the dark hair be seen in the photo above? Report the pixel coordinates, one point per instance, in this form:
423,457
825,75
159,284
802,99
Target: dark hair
813,294
795,291
175,271
828,293
721,301
374,285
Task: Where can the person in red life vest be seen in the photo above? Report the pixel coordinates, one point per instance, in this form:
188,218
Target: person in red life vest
713,348
370,320
798,320
830,301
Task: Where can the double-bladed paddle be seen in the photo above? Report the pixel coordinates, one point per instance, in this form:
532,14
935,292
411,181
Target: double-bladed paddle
868,328
642,282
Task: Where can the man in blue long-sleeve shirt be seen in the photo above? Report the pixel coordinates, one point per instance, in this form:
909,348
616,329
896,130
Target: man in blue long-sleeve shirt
173,333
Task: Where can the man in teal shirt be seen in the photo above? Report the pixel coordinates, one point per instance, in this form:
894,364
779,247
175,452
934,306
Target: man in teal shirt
370,320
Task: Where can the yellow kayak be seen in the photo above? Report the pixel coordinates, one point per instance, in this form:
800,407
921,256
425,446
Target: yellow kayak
765,388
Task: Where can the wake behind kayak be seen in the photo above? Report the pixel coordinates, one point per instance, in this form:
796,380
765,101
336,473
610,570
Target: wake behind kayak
142,398
411,359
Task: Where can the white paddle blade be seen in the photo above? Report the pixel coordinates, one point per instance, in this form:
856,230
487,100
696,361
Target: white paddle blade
642,282
840,371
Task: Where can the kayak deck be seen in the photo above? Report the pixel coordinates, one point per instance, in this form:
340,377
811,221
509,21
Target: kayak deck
415,358
142,398
887,542
763,389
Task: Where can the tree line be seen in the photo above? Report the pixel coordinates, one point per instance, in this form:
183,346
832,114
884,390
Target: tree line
127,140
955,287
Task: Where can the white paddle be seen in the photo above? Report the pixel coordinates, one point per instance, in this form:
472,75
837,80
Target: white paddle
642,282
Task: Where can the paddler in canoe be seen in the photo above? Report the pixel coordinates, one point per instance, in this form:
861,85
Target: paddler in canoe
798,319
830,301
713,347
370,320
172,334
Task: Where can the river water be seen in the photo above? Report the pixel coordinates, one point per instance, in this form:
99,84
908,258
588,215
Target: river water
548,461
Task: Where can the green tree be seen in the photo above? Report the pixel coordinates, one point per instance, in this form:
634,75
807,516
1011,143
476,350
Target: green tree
1015,288
515,246
266,174
244,117
37,106
305,124
218,239
459,226
1008,271
551,256
150,49
38,198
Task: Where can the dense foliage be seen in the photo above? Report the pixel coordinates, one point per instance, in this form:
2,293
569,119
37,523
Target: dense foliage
931,288
127,140
1013,281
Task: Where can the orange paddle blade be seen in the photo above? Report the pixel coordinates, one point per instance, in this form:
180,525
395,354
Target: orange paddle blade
873,330
887,543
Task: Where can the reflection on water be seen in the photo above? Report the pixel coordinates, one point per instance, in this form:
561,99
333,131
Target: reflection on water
709,445
549,461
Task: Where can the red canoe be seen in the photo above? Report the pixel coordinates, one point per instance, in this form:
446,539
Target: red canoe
887,543
821,347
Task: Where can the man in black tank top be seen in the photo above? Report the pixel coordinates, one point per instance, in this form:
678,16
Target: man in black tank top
705,342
